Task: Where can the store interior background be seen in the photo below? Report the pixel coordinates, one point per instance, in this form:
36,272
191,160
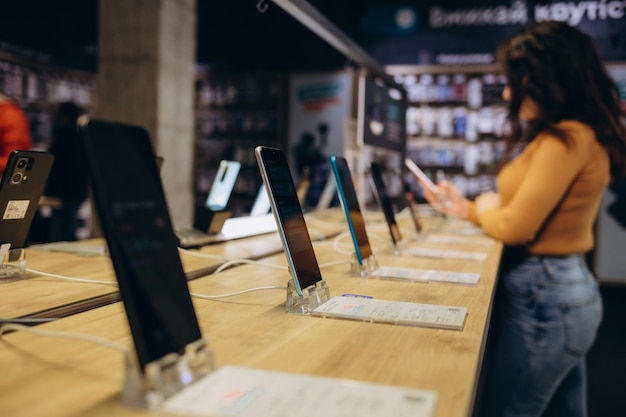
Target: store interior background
234,37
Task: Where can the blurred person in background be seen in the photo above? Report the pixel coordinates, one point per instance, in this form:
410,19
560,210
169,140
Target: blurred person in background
14,130
565,117
68,180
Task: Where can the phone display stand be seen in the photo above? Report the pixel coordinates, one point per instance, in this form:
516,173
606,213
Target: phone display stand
13,261
312,297
363,270
210,221
399,248
167,376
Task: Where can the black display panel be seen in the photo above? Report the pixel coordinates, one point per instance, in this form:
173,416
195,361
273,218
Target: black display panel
288,214
380,191
350,204
136,223
383,112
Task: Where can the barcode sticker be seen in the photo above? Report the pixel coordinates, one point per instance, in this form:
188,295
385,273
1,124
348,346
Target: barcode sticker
16,209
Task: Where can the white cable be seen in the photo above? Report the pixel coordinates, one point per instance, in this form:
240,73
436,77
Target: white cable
89,281
333,263
246,261
67,335
212,297
201,255
336,243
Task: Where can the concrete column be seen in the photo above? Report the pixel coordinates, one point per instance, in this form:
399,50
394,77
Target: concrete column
146,74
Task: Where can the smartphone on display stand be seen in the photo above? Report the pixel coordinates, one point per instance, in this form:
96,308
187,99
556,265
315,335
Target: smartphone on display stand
223,185
425,181
21,188
289,217
350,204
134,217
380,192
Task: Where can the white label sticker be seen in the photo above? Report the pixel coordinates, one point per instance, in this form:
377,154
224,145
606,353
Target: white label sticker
16,209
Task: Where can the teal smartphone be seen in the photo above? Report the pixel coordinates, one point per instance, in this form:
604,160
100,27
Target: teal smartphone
350,204
223,185
289,217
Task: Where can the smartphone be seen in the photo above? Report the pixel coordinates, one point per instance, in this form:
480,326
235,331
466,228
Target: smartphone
261,204
380,192
223,185
289,217
421,176
21,188
350,204
134,217
412,205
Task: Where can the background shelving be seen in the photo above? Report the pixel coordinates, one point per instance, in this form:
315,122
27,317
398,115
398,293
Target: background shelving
234,113
455,122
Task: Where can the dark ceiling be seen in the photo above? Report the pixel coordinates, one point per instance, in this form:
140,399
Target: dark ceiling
231,34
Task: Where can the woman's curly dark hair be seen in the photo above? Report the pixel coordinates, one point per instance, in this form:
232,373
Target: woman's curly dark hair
559,68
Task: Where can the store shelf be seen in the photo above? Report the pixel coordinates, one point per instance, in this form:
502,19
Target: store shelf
455,122
235,112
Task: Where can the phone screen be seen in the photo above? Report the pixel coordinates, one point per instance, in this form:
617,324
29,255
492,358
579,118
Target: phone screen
350,204
288,213
380,191
223,185
136,223
412,166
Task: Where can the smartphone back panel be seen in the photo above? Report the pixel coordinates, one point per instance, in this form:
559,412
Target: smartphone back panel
289,217
223,185
21,188
380,191
135,220
350,204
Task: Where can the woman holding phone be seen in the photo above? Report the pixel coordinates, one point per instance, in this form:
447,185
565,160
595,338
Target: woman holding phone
569,141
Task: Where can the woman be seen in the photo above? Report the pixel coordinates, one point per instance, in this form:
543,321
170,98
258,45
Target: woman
566,128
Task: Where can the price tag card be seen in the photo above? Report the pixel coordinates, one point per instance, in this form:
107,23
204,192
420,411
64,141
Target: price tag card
394,312
461,240
426,275
235,391
445,253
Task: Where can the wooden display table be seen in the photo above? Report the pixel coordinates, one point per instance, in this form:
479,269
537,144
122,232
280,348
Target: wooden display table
37,296
58,377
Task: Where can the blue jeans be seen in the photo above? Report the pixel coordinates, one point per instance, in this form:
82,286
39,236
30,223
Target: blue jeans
546,314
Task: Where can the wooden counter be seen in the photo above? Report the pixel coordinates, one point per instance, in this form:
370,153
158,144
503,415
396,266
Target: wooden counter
37,296
59,377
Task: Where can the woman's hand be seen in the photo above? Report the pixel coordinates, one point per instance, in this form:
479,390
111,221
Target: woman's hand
447,200
488,201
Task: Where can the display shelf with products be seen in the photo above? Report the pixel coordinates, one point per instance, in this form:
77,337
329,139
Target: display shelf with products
39,87
455,122
235,112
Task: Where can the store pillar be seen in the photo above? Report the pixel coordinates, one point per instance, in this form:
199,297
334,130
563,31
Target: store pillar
146,73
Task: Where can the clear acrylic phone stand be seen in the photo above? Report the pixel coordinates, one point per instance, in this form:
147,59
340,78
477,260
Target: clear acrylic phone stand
363,270
312,297
165,377
13,261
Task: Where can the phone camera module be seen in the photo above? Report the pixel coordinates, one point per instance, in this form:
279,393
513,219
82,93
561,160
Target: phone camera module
17,178
22,163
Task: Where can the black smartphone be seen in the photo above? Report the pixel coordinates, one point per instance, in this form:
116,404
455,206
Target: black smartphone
350,204
380,192
21,188
134,217
289,217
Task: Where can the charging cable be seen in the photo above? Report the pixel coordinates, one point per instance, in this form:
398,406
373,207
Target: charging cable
8,327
